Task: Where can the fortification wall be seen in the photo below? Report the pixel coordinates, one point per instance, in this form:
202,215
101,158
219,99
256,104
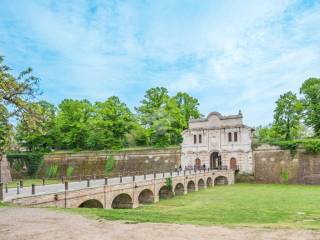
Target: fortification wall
272,165
127,162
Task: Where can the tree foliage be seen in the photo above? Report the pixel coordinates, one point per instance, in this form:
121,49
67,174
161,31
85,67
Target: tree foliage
311,100
16,95
287,115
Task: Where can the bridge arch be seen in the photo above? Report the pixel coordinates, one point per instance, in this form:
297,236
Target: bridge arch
201,184
146,196
91,203
165,192
191,187
179,189
221,180
122,200
209,182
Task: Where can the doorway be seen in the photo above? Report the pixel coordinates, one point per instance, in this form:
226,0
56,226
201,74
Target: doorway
215,160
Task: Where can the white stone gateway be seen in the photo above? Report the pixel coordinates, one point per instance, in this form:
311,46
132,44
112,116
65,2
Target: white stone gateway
218,142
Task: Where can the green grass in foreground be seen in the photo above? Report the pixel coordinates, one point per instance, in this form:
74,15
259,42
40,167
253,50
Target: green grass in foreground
276,206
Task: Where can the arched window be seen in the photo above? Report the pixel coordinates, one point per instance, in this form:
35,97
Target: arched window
235,137
194,139
230,137
200,138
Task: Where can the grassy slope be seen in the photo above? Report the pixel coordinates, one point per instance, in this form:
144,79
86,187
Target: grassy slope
237,205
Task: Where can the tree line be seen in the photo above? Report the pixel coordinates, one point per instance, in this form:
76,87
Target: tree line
295,117
83,125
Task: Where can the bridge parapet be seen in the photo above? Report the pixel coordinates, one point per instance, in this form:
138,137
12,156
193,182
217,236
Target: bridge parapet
128,194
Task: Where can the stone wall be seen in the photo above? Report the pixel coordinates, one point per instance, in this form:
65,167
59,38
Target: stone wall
127,162
272,164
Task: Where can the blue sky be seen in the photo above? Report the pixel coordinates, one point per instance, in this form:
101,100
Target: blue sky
231,55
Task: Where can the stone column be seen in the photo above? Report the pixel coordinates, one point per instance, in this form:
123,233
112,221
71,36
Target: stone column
5,170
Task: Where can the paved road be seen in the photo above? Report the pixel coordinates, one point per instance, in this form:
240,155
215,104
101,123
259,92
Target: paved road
54,188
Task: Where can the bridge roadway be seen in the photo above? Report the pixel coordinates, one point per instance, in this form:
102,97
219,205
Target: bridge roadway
115,194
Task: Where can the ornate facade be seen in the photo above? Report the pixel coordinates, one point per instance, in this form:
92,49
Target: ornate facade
218,142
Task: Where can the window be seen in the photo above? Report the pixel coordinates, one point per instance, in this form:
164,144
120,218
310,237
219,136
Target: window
194,139
200,138
230,137
235,137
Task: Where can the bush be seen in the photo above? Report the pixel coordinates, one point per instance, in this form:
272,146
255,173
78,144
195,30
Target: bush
69,171
285,176
169,183
310,145
110,163
52,171
32,161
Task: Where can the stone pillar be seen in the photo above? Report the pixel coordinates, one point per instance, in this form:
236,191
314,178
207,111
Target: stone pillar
5,170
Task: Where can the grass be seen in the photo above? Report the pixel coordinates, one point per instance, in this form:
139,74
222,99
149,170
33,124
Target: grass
29,182
274,206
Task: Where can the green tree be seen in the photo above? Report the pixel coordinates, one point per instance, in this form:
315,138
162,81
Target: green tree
110,123
72,123
16,95
161,116
311,93
42,136
287,115
188,106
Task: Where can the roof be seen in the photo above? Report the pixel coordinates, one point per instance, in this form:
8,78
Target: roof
219,115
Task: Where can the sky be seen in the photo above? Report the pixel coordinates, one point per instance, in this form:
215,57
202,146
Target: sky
231,55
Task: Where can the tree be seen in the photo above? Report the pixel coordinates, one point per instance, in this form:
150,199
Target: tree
41,137
16,95
311,101
287,115
110,123
72,123
188,106
163,117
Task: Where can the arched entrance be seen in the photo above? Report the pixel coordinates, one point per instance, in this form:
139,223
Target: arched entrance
233,164
197,164
92,203
215,160
179,189
146,196
165,193
191,186
209,182
221,180
200,184
122,201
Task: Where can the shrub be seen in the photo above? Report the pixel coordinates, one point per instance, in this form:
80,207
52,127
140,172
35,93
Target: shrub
69,171
169,183
285,176
110,163
33,162
52,171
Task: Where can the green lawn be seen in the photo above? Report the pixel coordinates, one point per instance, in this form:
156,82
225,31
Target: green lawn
29,182
289,206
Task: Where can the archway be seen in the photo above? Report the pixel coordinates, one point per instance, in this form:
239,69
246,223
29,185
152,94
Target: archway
179,189
221,180
92,203
165,193
209,182
215,160
233,164
123,200
191,187
200,184
146,196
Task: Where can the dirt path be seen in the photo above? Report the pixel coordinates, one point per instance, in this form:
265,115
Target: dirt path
35,223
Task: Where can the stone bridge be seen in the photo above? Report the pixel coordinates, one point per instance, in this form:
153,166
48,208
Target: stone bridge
128,192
